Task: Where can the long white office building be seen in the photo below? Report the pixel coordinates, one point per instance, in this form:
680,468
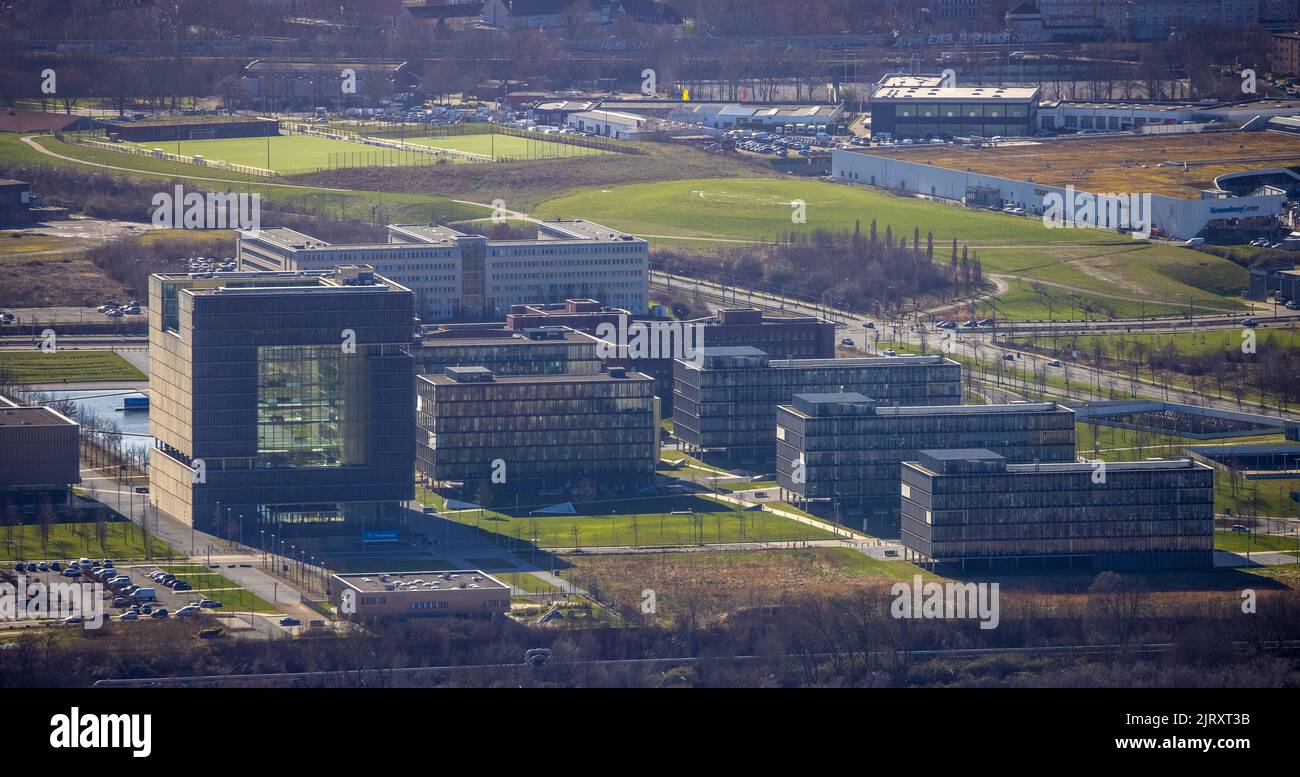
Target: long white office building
456,275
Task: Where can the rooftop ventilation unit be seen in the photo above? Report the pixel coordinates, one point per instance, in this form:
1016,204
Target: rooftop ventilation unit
470,374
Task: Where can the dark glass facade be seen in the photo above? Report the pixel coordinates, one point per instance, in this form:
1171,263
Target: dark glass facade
510,353
727,404
39,457
846,451
548,432
282,402
973,510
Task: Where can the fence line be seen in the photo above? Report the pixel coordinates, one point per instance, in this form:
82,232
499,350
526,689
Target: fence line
121,148
353,137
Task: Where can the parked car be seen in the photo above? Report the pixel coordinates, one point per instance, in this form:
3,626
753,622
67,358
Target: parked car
130,615
72,572
290,622
211,604
890,352
1249,322
159,613
187,611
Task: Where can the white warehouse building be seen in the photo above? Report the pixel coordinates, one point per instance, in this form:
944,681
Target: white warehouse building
1178,217
462,276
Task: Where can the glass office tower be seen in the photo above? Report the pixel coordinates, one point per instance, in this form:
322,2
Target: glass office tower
282,402
842,452
538,434
969,509
725,402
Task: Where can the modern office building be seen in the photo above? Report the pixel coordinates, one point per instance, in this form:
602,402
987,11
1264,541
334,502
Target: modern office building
544,350
538,434
584,315
282,402
841,452
459,593
726,403
780,337
921,107
973,510
460,276
39,456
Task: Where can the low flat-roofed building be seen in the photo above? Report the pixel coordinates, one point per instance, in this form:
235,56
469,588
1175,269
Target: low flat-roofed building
537,434
459,593
1074,173
584,315
840,451
725,402
15,202
555,112
802,119
612,124
971,509
39,456
921,107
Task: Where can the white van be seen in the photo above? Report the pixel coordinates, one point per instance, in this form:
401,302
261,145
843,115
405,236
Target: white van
1196,241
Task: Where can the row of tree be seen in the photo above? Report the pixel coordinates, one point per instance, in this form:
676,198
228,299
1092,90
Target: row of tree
857,270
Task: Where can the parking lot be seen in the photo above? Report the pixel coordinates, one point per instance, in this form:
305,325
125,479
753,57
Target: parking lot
116,601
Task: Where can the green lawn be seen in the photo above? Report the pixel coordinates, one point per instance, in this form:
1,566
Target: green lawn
525,581
507,146
1252,497
760,209
1118,276
210,584
25,245
1121,346
74,540
743,485
642,523
334,203
1236,542
57,366
292,153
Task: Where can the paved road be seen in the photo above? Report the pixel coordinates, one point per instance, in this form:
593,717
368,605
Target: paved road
971,345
